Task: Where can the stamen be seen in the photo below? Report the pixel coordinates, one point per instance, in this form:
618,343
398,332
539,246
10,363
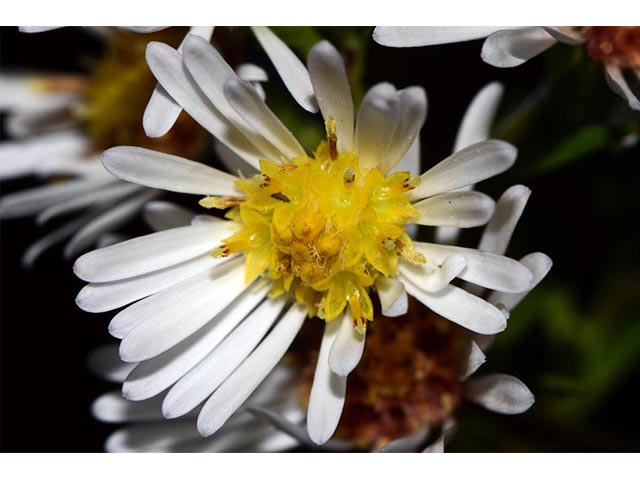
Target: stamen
263,180
412,183
220,203
389,244
412,255
280,196
220,252
332,138
359,321
349,175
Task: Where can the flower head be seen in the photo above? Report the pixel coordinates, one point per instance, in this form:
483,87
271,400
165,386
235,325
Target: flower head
315,233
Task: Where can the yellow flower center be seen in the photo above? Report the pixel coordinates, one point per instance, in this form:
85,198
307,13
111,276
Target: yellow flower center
322,228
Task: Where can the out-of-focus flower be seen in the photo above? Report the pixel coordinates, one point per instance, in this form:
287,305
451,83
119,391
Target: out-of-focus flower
60,123
323,232
618,48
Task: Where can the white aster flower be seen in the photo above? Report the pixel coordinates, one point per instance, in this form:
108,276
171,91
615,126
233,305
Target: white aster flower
617,47
60,122
213,313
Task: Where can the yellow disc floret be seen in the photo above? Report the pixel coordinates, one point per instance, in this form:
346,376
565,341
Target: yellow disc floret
323,229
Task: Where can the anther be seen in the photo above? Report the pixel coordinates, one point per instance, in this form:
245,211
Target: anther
412,183
349,175
332,138
389,244
220,252
262,180
280,196
220,203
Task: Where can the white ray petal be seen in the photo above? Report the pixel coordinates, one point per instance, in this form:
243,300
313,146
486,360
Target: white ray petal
411,161
333,93
292,429
411,110
150,252
618,84
155,375
510,48
168,172
23,93
144,28
153,437
455,209
112,408
58,149
162,111
509,208
568,35
250,72
347,348
213,370
111,219
34,123
393,297
234,163
539,264
161,215
327,391
433,278
102,297
475,360
210,71
132,316
423,36
483,268
36,249
166,65
276,388
34,29
105,363
448,428
160,114
203,218
187,308
470,165
289,67
478,119
409,444
244,99
246,378
376,121
32,200
499,393
462,308
106,194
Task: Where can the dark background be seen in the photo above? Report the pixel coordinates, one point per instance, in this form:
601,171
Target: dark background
583,213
